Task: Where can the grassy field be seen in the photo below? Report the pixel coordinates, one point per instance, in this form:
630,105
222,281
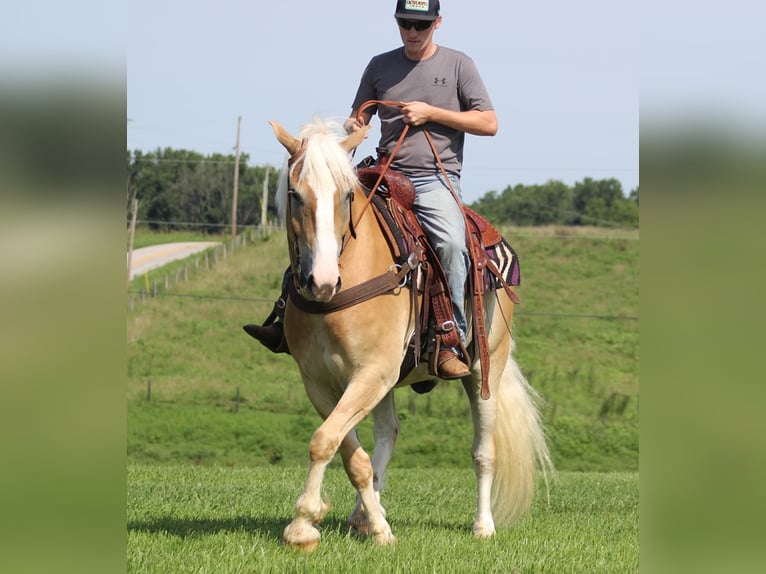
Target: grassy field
218,427
193,519
577,342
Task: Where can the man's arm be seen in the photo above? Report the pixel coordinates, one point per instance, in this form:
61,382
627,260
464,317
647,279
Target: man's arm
476,122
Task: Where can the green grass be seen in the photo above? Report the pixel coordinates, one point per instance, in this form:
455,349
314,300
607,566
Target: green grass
212,482
195,519
192,349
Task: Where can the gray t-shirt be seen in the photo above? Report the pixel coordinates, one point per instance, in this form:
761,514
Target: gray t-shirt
448,79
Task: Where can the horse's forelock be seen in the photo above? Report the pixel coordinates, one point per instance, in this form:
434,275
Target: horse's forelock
325,165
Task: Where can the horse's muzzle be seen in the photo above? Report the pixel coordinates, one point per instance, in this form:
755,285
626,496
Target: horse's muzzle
322,292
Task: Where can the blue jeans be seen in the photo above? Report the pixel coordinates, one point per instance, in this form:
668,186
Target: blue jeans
442,220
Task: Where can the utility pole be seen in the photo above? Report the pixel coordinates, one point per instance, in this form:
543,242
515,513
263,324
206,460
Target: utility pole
236,185
132,235
265,202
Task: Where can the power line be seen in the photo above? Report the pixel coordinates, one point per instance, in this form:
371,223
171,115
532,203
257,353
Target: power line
191,223
145,159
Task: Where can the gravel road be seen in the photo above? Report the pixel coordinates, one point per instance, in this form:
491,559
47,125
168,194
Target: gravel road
147,258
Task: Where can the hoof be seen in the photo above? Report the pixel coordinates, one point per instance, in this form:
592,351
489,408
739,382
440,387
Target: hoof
483,531
358,524
301,536
361,530
384,539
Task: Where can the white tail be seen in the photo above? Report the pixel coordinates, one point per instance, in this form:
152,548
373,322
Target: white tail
520,446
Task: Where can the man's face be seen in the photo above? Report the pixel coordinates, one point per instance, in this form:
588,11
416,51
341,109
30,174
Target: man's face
416,41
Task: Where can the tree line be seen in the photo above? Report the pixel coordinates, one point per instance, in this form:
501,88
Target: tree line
176,188
599,203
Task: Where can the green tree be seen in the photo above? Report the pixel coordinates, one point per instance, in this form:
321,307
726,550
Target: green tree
590,202
599,202
180,187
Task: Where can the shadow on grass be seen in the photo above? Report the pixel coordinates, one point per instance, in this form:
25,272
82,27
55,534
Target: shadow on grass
193,527
270,527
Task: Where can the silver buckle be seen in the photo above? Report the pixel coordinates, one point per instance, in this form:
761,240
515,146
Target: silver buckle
395,269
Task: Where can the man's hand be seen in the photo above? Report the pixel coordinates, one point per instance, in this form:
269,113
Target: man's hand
416,113
353,125
479,123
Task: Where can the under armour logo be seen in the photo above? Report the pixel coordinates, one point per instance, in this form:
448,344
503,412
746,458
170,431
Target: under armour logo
440,81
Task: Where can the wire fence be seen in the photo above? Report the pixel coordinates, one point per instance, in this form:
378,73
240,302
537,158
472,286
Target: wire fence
214,297
180,274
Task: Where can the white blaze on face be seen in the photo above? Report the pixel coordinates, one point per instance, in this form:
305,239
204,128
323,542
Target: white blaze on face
325,271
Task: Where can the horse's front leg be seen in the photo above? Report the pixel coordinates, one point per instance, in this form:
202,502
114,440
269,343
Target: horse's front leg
309,510
357,401
385,433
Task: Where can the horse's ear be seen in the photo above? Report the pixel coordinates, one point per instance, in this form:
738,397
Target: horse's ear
292,144
355,139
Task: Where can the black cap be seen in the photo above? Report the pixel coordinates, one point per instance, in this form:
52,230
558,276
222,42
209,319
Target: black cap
417,9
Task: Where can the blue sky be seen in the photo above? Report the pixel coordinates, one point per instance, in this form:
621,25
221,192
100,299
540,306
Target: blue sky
563,77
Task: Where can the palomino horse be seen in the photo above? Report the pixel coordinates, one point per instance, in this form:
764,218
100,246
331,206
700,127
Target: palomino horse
350,359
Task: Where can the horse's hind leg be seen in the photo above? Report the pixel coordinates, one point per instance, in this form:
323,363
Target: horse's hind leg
385,432
483,413
360,473
353,406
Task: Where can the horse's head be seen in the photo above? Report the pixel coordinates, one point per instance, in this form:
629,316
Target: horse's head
320,185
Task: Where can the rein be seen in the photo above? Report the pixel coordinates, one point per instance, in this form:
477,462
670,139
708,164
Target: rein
406,129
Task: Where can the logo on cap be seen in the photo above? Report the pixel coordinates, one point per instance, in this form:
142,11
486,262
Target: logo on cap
419,5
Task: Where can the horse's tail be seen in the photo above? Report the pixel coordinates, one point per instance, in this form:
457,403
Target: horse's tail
520,446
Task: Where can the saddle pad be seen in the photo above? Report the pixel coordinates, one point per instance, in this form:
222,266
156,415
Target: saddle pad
507,262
